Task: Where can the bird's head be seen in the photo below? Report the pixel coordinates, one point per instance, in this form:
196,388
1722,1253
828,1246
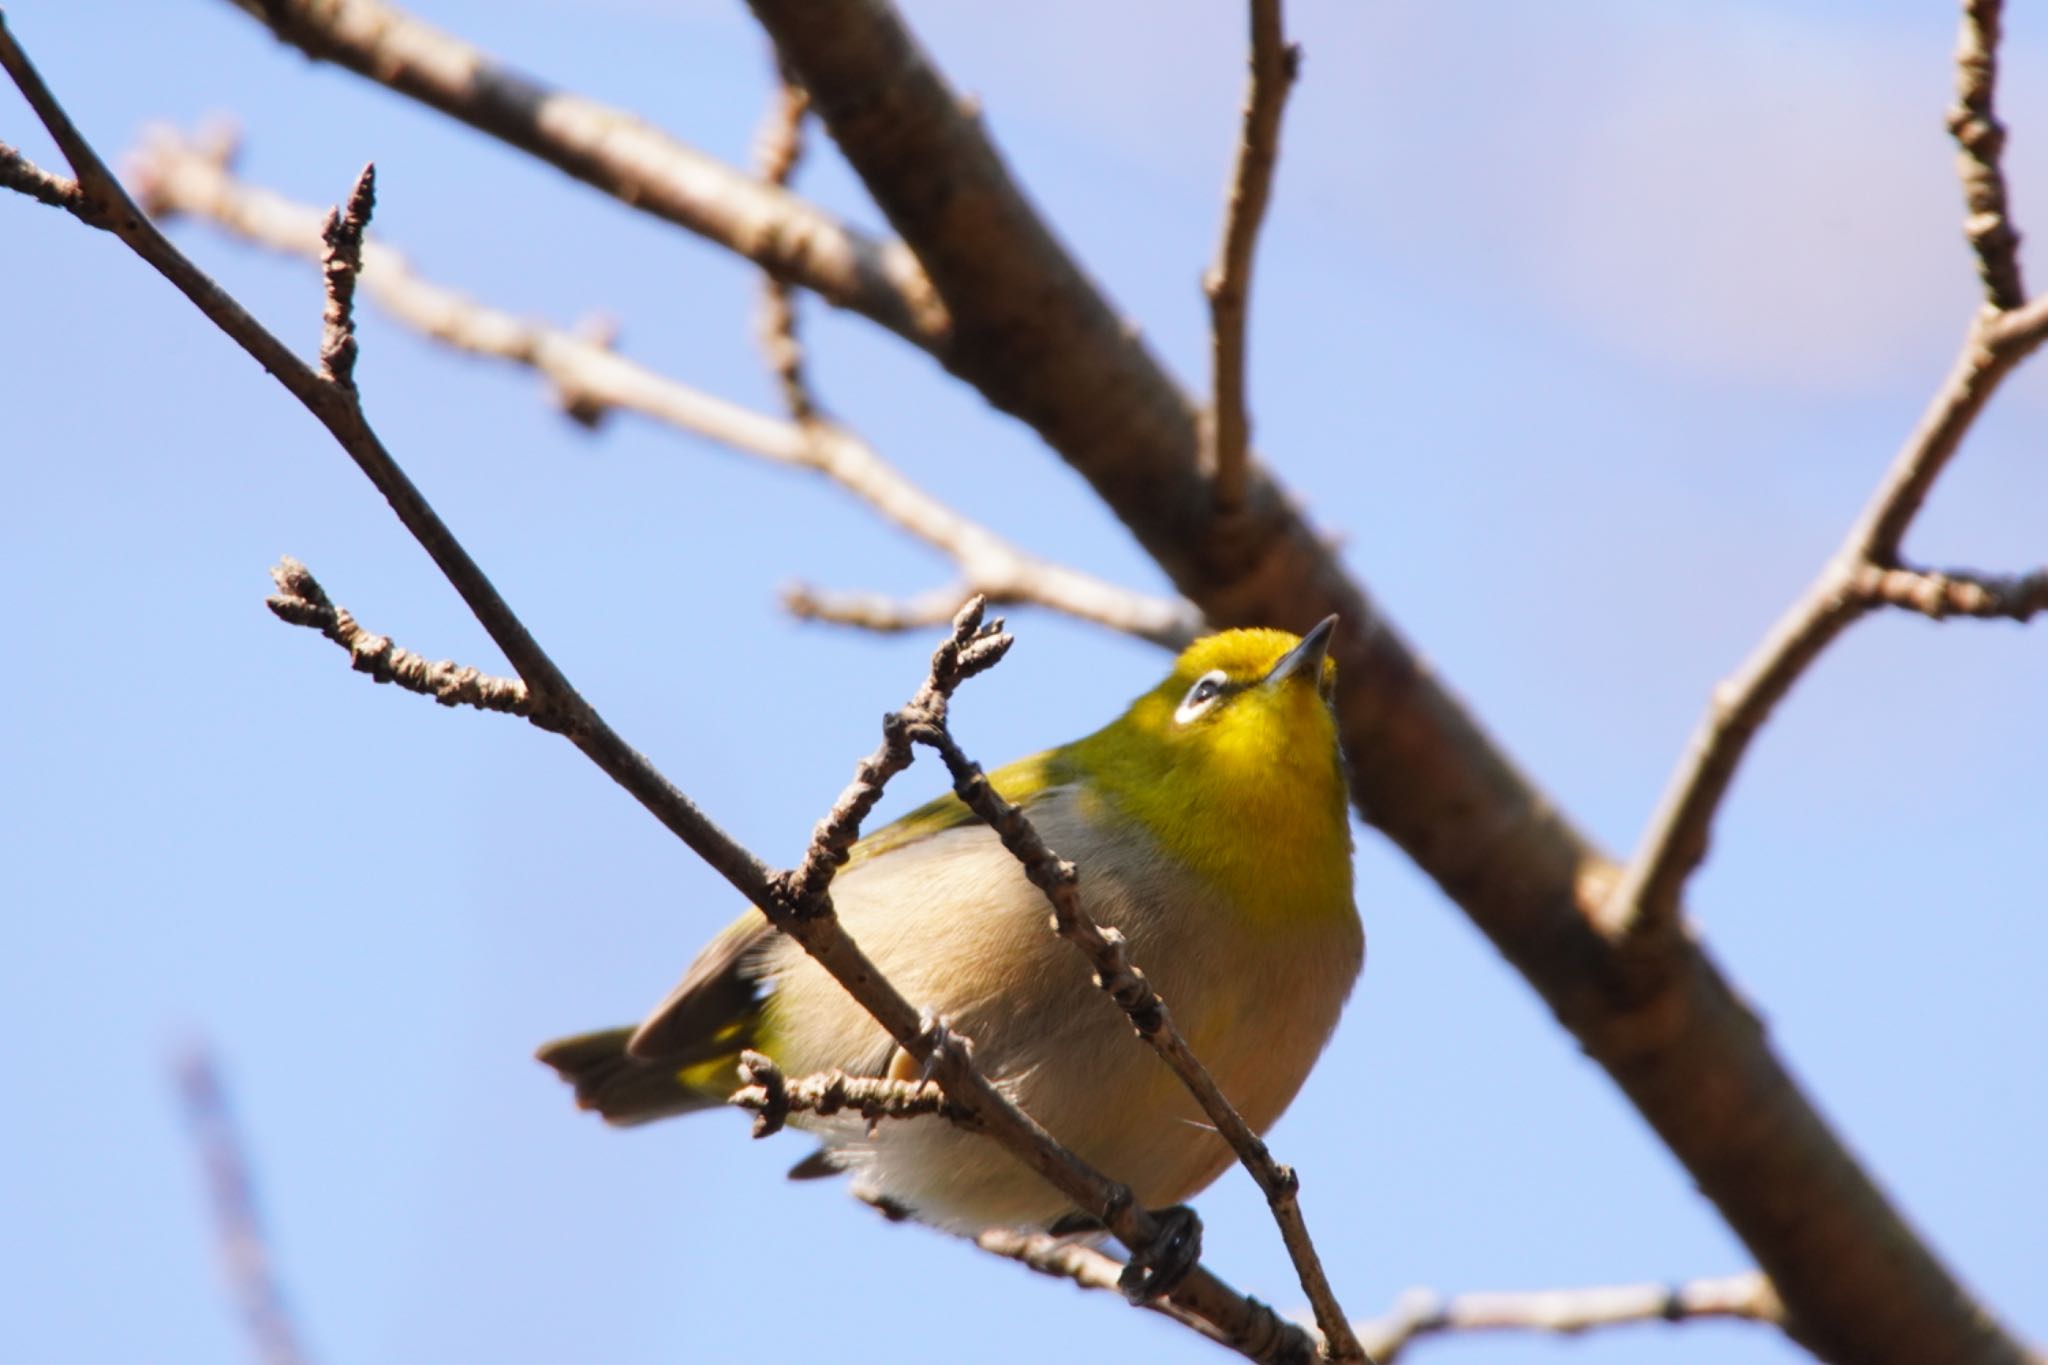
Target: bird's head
1245,698
1231,762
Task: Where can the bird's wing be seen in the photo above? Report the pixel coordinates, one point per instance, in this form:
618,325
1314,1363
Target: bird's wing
721,989
716,994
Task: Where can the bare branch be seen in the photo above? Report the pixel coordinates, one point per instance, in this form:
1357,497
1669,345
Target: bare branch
1249,1327
1865,572
342,234
1980,140
231,1190
1120,979
1862,575
300,601
618,154
778,147
773,1097
1063,1258
173,176
1421,1314
1942,594
1275,63
23,176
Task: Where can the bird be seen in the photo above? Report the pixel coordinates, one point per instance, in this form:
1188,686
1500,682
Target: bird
1208,823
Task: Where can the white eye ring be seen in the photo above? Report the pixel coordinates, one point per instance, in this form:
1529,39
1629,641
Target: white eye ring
1204,694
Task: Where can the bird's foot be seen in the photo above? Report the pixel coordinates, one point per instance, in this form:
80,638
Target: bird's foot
1157,1269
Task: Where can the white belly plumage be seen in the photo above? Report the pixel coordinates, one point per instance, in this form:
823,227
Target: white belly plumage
952,918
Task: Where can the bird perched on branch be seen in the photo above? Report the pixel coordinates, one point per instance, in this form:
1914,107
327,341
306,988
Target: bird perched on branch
1208,824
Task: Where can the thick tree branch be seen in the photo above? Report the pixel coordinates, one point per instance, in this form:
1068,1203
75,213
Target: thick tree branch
231,1190
1032,334
1980,139
1275,62
618,154
1422,1314
174,176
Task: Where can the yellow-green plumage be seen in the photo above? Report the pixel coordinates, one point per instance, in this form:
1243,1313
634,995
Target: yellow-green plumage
1208,823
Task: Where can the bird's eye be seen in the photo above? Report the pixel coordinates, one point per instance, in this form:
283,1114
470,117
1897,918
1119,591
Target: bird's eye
1201,696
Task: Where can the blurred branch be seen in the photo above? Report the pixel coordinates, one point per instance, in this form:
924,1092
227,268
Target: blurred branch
1275,63
556,705
231,1190
1980,141
778,147
174,176
1942,594
1568,1312
618,154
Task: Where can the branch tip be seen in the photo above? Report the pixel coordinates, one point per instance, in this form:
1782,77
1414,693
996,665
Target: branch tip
342,231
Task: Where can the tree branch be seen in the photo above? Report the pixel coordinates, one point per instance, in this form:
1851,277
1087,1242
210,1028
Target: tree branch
174,176
1247,1325
300,601
778,147
231,1190
1568,1312
618,154
1035,338
342,235
773,1097
1275,63
1980,140
1666,1025
1862,575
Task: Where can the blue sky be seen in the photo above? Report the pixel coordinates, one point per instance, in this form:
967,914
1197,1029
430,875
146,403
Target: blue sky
1587,328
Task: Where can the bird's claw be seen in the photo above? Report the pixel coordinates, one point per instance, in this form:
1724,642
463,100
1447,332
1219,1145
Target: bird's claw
1158,1269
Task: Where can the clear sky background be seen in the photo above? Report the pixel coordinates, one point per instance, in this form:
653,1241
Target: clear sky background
1588,328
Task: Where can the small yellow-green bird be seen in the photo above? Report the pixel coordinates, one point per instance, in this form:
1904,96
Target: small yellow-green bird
1208,823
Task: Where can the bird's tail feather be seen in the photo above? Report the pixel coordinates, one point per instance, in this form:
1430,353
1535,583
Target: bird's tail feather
627,1090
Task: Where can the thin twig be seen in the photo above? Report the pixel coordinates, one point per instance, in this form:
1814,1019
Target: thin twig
778,148
1064,1258
231,1190
23,176
1865,572
620,155
773,1097
342,235
555,704
174,176
1980,140
1118,977
301,601
1862,576
1420,1313
1941,594
1275,63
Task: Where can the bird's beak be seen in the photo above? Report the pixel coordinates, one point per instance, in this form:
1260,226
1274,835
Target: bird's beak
1305,660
